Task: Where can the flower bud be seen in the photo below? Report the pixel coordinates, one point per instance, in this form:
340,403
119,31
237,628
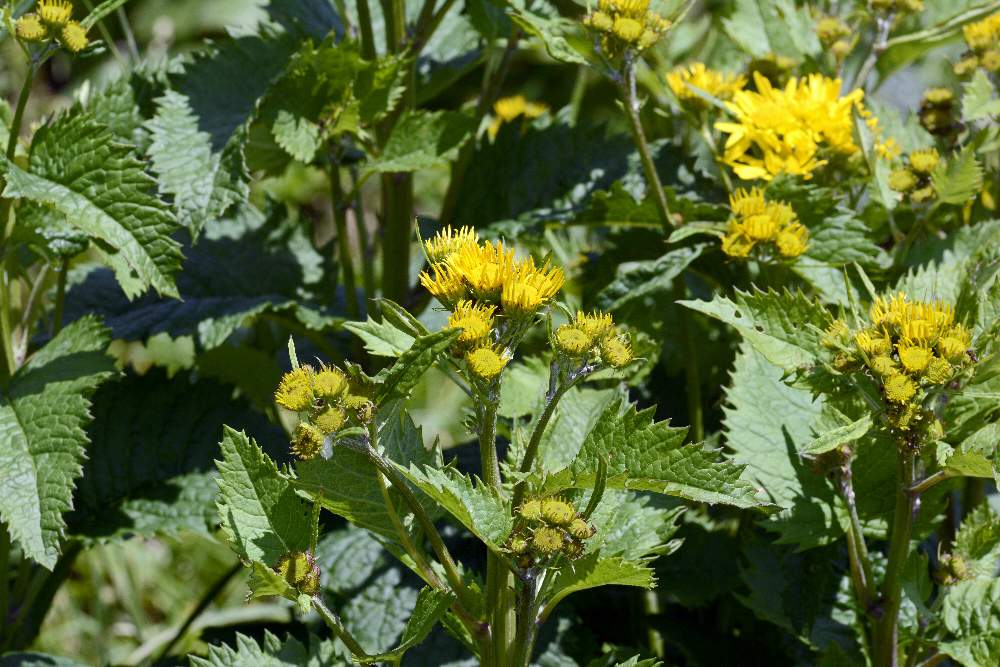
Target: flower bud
557,512
307,442
547,541
299,569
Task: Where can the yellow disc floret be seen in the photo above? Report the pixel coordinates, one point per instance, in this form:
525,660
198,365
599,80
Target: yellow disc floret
757,221
331,419
530,288
74,37
616,351
475,321
307,442
939,371
899,388
485,363
531,510
580,529
54,13
295,390
329,382
547,541
914,357
557,512
572,341
31,29
924,161
597,325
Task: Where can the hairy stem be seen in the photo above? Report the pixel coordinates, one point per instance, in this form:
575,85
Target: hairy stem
404,537
336,625
887,630
527,624
346,261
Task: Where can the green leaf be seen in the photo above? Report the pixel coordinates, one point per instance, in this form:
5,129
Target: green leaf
203,183
979,101
423,139
633,526
764,28
348,557
959,179
36,660
43,413
975,651
402,376
840,436
150,467
261,515
271,652
578,413
79,170
594,571
774,323
557,34
431,604
977,541
972,607
383,339
637,281
300,137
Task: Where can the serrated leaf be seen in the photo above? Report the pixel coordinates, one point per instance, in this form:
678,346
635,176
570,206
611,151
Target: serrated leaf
204,183
431,604
764,28
977,541
633,526
594,571
78,169
972,608
958,179
300,137
636,281
150,467
402,376
840,436
423,139
261,515
979,100
774,323
43,413
383,339
271,652
578,413
348,557
555,32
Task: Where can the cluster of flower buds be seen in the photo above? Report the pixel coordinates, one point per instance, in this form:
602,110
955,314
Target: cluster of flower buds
326,402
592,338
835,35
300,571
625,24
938,114
914,180
545,528
909,348
52,19
983,40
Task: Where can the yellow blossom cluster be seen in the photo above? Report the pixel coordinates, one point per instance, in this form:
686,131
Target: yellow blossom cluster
786,130
757,222
914,180
625,24
833,34
593,336
545,528
52,19
325,400
687,81
508,109
907,346
983,39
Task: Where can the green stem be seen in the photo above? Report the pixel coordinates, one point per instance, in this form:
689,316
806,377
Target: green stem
367,252
692,367
488,445
133,48
38,598
404,537
899,544
206,599
531,452
367,35
106,35
4,582
857,554
576,97
314,514
345,259
527,624
651,608
57,313
928,482
334,623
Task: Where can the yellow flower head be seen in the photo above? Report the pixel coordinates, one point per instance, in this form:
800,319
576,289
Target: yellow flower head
447,241
872,343
939,371
991,60
757,220
474,320
484,269
883,364
983,34
547,541
557,512
829,29
74,37
485,363
899,388
836,334
531,510
616,351
530,288
331,419
54,13
684,79
938,96
924,161
596,324
507,109
626,24
793,240
446,284
914,357
31,29
783,130
902,180
360,406
307,442
916,321
573,341
954,344
329,382
518,545
580,529
736,244
295,390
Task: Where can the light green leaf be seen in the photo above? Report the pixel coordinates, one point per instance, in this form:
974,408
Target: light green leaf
594,571
100,187
837,437
555,33
979,101
774,323
261,514
635,281
348,557
300,137
43,413
423,139
271,652
958,179
977,541
383,339
972,607
762,28
402,376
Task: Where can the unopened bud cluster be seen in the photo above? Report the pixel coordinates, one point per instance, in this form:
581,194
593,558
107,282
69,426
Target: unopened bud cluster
545,528
592,338
625,24
909,348
983,40
300,571
914,180
326,402
52,19
938,113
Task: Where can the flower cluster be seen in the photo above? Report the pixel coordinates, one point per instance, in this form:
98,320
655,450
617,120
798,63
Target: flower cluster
983,40
784,130
325,400
509,109
762,224
53,19
593,337
625,24
833,34
300,571
545,528
937,112
908,347
688,80
914,180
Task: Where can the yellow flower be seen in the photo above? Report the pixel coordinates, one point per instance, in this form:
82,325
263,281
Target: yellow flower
937,96
484,269
474,320
485,363
626,24
888,149
982,34
307,442
991,60
902,180
572,341
557,512
899,388
883,365
31,29
507,109
54,13
684,80
782,130
793,240
547,541
530,288
836,335
954,343
446,284
736,244
914,357
938,371
74,37
448,241
596,324
924,161
295,391
329,382
616,352
531,510
299,570
331,419
757,220
966,66
913,320
872,343
580,529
